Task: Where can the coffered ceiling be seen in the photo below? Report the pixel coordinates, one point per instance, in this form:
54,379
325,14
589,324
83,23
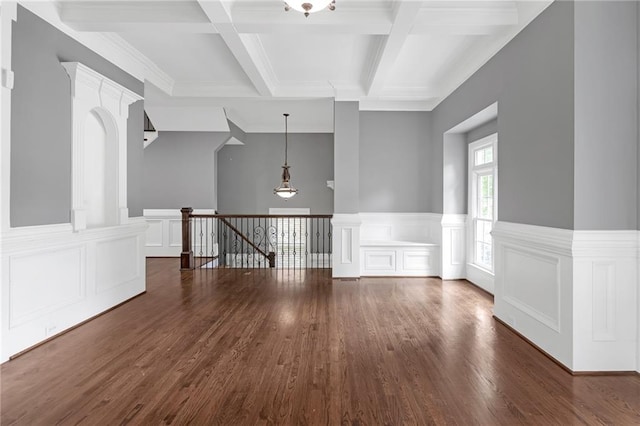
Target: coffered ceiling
255,60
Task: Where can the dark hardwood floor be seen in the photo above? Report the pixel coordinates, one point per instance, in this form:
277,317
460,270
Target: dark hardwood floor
238,347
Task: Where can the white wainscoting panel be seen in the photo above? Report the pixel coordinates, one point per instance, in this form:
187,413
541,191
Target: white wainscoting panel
54,278
346,237
531,282
164,235
379,260
534,285
409,243
30,278
346,245
605,300
398,258
453,246
117,262
175,232
155,233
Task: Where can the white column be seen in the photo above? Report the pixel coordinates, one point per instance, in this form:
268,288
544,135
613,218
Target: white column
8,14
346,245
8,11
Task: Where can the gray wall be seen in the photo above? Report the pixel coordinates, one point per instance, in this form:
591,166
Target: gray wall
248,174
532,80
393,158
638,168
41,121
482,131
179,170
347,157
606,117
454,190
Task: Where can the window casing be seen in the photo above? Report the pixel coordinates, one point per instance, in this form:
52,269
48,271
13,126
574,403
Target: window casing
483,200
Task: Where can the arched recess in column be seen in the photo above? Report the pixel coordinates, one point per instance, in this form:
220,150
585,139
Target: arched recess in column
100,108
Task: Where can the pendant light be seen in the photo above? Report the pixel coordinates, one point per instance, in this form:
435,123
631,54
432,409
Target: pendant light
285,190
309,6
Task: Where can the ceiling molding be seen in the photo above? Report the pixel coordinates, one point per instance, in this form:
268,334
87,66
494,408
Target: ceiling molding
153,72
204,89
373,104
385,56
130,11
310,89
110,46
134,16
187,119
454,18
246,49
346,91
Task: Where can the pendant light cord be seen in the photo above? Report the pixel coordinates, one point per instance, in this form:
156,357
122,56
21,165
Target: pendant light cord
286,141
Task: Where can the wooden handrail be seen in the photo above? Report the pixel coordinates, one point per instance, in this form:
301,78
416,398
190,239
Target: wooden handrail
263,216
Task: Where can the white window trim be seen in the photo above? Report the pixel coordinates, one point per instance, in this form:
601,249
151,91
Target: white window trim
473,171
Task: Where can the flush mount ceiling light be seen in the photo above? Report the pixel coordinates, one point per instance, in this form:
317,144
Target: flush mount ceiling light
285,190
309,6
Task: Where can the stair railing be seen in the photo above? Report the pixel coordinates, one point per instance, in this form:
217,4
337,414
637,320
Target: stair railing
255,241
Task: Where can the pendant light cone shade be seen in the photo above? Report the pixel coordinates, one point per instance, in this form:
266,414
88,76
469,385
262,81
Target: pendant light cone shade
285,190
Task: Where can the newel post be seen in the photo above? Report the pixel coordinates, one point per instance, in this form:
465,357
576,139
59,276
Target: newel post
186,257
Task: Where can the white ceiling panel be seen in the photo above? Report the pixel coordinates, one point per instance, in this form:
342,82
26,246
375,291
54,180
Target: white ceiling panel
190,57
314,57
423,57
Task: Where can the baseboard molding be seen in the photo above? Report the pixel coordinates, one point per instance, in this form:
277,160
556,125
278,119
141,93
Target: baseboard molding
55,336
561,365
530,342
481,278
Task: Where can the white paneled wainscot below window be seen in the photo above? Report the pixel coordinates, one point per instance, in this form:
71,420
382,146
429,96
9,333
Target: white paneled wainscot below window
400,244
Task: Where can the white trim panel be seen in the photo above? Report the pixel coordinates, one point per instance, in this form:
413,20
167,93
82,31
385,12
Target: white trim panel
533,285
164,234
605,292
54,278
346,245
454,233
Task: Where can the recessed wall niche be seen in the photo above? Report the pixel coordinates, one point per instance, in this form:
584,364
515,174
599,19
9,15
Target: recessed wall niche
100,108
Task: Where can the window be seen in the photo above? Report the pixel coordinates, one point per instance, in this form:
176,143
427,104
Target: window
483,169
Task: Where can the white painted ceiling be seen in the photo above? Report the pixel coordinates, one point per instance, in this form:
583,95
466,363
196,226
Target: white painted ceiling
257,61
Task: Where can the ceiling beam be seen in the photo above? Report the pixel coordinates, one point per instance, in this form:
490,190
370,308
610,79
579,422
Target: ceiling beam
246,48
455,19
387,52
138,16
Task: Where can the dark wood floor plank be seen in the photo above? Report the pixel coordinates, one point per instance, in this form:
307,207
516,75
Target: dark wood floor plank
250,347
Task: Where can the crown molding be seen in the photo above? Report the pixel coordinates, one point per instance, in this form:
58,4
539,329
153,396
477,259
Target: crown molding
110,46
